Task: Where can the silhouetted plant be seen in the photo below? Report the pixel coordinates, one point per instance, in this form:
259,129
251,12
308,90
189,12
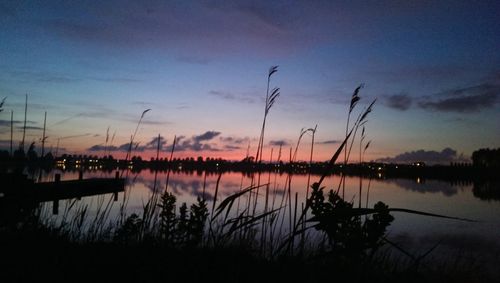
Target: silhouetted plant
129,232
347,233
186,229
197,217
182,225
167,217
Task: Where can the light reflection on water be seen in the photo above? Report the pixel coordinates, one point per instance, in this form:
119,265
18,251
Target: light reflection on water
431,196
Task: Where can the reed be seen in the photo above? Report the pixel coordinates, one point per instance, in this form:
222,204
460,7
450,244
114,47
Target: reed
271,97
132,137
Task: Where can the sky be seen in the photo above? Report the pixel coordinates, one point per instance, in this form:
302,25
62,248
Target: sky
202,68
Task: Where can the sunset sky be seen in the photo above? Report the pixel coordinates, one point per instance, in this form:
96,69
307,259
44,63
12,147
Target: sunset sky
201,67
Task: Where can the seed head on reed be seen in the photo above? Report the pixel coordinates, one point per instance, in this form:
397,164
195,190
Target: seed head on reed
355,98
1,103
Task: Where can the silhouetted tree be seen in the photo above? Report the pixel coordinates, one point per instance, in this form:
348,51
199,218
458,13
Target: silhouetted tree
486,158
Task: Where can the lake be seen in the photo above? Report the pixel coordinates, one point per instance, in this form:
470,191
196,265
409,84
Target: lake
415,233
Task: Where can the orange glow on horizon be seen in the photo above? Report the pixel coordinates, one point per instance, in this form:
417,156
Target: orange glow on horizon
321,153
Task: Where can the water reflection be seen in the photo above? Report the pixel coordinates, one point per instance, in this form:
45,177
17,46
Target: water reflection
461,200
425,186
487,190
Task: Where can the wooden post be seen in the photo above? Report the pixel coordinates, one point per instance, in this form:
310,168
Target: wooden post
115,195
55,207
55,203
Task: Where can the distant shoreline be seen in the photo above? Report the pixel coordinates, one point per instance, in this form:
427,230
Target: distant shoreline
452,173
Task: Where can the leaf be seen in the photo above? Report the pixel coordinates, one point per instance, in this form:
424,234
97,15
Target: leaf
252,221
352,212
232,198
334,158
367,145
367,111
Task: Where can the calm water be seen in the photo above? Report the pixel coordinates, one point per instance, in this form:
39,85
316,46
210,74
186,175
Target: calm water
411,231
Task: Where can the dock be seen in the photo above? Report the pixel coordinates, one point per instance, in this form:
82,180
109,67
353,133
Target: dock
60,190
19,189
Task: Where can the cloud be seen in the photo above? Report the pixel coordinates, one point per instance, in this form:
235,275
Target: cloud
257,27
196,143
231,96
31,128
136,147
399,101
74,136
231,147
206,136
464,100
67,119
191,144
99,147
235,140
154,142
151,122
6,123
329,142
233,143
279,143
430,157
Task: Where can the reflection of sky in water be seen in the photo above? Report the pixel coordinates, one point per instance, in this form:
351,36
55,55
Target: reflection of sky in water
429,196
427,186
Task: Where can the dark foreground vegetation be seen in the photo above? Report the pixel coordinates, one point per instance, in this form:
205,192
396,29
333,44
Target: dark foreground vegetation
193,245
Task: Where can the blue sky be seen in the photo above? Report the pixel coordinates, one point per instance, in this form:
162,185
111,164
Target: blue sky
201,67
